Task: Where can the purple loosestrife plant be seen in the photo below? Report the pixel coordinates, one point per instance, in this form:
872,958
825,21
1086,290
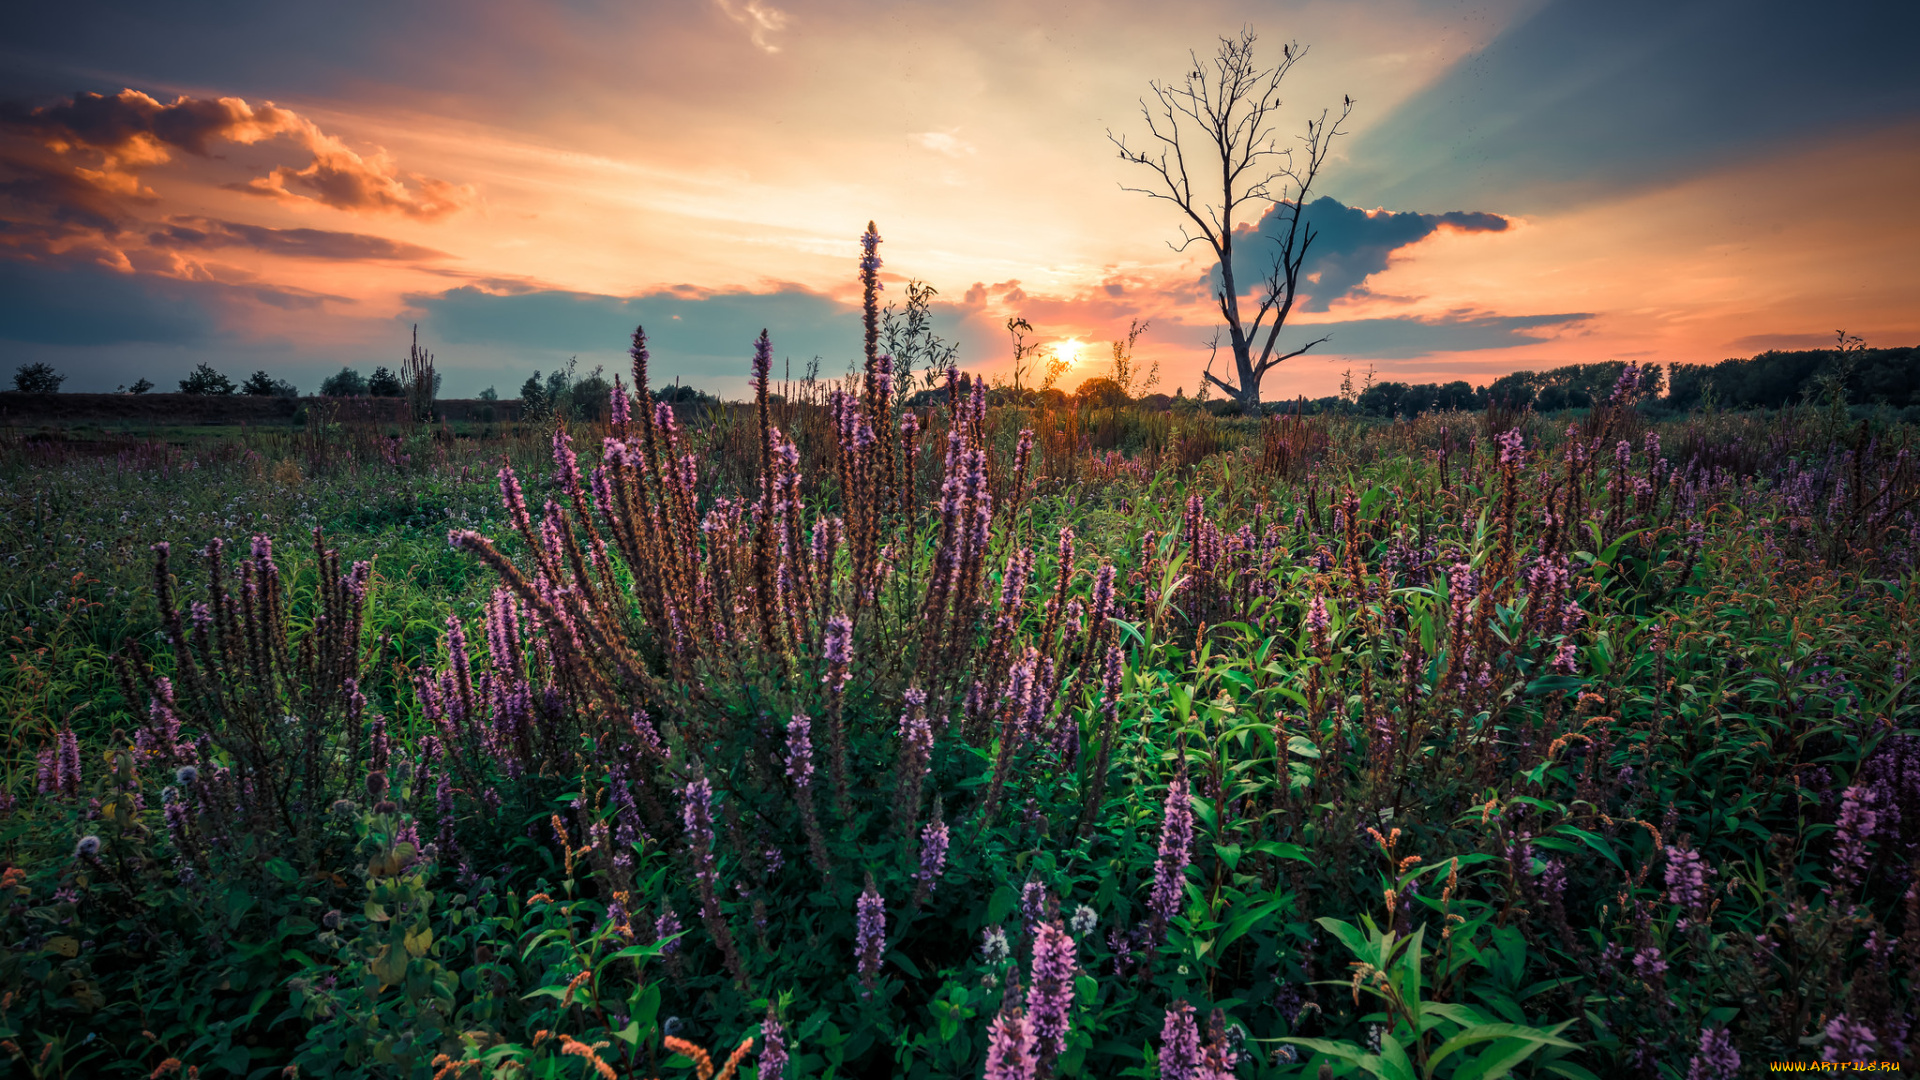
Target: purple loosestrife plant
1009,1056
933,854
1717,1059
800,771
1169,870
1050,994
1850,1040
773,1047
1859,820
1687,887
836,650
871,938
915,760
1180,1044
697,812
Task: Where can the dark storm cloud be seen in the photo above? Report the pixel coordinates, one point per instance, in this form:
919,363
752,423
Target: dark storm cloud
1584,99
702,335
116,122
712,331
1349,246
91,305
53,196
198,233
1402,338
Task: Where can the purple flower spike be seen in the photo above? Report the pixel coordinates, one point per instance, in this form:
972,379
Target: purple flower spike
1859,820
664,927
1687,875
1717,1059
800,751
565,465
762,359
1176,843
1513,447
837,650
773,1047
871,939
1050,994
1180,1044
933,853
1007,1057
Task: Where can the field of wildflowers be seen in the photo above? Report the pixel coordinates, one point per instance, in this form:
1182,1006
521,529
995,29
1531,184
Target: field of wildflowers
827,736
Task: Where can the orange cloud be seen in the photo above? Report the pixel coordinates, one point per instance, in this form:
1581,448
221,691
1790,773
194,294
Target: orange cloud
107,141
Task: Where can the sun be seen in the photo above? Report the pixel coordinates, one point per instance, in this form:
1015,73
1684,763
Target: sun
1067,353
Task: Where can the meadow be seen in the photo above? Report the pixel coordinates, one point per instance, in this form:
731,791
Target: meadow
822,735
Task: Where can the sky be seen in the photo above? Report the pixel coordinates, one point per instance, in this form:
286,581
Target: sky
1520,184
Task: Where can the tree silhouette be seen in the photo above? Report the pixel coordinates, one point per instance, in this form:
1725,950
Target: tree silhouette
1221,117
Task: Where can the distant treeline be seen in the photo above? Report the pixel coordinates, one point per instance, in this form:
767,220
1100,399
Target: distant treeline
1889,377
1767,381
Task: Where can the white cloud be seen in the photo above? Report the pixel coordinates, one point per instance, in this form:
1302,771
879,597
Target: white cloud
759,19
942,142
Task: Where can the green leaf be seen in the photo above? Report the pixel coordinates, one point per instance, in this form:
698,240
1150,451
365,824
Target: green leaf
1596,842
1499,1059
1243,923
1547,684
1350,936
1280,849
1001,905
282,869
1465,1015
1480,1033
646,1007
1345,1051
905,963
1393,1058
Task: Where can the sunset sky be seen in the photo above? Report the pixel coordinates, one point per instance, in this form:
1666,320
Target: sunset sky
289,187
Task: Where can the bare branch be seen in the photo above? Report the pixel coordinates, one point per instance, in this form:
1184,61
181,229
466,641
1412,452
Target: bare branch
1222,110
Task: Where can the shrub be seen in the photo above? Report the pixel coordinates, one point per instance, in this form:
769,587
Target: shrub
37,378
1101,393
261,384
345,383
204,380
383,383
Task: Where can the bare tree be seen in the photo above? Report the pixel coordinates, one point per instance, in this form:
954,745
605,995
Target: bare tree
1221,117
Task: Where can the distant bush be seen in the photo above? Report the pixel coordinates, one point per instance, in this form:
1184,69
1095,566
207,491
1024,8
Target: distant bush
489,394
261,384
560,394
205,380
140,386
383,383
1101,393
37,378
347,383
685,395
1773,379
